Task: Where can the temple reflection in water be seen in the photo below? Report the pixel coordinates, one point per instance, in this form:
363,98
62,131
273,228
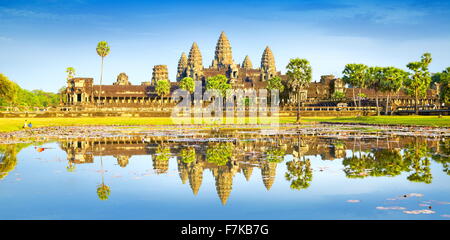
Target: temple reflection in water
227,156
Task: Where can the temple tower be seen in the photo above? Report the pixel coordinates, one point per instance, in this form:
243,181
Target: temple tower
160,72
247,172
183,171
223,55
268,172
195,63
182,65
122,79
122,160
268,69
224,184
247,64
195,177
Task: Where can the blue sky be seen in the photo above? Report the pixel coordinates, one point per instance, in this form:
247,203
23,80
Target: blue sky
39,39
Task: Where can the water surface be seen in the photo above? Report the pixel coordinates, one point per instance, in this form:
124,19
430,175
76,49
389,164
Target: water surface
227,175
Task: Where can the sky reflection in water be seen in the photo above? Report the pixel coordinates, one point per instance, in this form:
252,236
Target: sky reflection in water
263,178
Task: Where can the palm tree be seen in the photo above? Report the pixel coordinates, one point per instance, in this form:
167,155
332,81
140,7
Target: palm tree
103,191
103,51
300,75
70,72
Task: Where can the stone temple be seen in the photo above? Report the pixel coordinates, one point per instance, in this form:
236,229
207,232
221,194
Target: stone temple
240,75
82,93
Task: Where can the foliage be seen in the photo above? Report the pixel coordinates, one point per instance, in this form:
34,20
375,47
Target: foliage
275,155
188,155
417,155
443,79
103,49
374,77
103,192
13,95
299,173
275,83
8,157
162,153
338,96
70,72
299,73
443,156
8,90
219,83
379,162
419,81
219,153
386,162
187,84
355,74
392,79
162,87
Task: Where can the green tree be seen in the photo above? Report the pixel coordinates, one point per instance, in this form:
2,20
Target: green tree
443,79
70,72
219,153
62,94
442,155
103,191
219,83
187,84
299,173
356,76
417,156
392,81
299,73
275,154
419,81
188,155
275,83
162,88
338,96
103,51
375,76
8,90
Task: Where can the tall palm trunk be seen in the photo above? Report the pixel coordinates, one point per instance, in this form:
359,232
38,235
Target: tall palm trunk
416,104
298,107
376,99
387,103
101,80
354,98
359,98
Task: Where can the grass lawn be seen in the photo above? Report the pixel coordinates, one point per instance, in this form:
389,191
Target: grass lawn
13,124
435,121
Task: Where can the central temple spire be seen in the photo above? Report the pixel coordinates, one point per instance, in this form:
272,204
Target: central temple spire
195,57
223,56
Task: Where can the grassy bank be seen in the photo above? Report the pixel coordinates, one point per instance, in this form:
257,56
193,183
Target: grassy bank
434,121
13,124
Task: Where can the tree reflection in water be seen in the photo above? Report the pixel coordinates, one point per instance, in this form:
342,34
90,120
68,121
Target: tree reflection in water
226,159
8,157
391,162
299,173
